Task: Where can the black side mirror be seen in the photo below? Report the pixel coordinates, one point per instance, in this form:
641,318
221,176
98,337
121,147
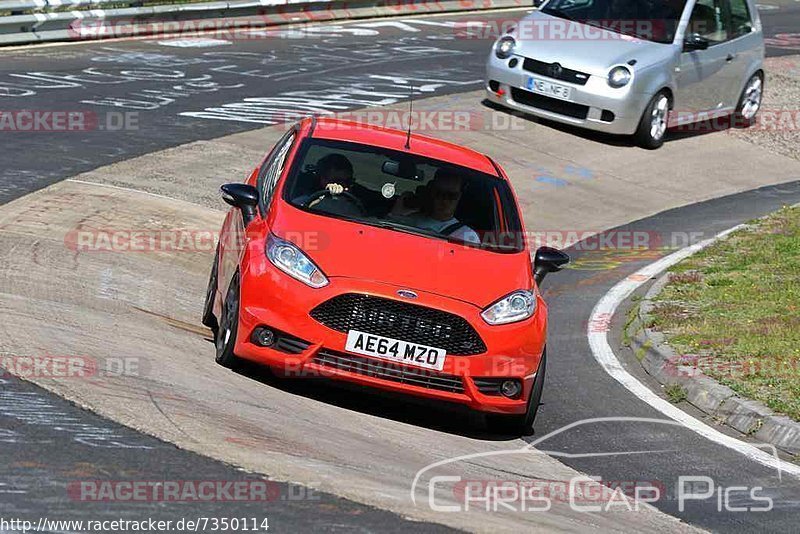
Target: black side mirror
548,260
242,196
695,41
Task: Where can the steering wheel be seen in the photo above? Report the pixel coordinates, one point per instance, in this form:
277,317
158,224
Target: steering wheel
345,195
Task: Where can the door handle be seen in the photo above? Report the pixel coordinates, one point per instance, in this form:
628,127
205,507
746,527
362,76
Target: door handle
730,57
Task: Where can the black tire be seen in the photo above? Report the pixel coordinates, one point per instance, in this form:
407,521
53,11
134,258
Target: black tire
521,425
646,134
209,319
744,119
225,339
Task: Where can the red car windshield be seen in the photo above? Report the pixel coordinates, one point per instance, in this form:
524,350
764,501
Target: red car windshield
404,192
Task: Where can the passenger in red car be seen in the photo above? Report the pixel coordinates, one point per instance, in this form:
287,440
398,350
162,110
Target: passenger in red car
438,208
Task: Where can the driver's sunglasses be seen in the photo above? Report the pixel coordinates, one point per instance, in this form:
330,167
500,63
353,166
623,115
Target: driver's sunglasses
446,195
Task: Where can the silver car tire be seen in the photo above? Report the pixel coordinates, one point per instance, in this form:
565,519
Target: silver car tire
653,125
750,101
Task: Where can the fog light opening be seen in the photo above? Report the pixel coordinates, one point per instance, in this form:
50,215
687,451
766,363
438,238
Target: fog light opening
263,337
510,388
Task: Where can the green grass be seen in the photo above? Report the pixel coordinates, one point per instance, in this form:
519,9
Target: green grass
676,393
737,306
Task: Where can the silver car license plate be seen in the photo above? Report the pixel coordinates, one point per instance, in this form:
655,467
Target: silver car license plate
549,88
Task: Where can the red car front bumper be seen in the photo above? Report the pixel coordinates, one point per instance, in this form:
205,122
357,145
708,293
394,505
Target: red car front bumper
272,299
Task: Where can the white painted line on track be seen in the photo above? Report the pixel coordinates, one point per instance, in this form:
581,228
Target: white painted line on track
597,332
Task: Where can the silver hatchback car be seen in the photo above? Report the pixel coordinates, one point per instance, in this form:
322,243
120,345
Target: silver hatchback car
632,67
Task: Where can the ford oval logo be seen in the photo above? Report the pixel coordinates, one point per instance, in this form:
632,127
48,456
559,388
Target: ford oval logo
407,294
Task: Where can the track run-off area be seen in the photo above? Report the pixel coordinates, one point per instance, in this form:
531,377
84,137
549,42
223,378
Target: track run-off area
175,119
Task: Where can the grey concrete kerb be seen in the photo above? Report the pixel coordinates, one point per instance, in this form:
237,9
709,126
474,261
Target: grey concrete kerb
720,402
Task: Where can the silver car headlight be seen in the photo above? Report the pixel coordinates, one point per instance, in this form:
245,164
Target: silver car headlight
619,77
514,307
288,257
504,47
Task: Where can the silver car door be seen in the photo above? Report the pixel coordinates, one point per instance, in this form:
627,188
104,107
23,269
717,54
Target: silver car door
701,74
744,49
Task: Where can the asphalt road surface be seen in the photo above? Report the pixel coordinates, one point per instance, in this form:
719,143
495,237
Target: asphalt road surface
62,464
146,95
139,96
579,389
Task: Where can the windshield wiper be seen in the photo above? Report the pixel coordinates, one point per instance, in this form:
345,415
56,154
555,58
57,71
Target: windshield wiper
398,227
450,239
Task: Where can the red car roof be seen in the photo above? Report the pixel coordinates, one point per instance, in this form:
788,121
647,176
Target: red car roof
356,132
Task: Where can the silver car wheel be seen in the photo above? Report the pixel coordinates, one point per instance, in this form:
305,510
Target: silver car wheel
752,98
658,119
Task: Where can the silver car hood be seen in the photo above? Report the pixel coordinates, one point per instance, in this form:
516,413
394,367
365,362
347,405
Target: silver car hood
581,47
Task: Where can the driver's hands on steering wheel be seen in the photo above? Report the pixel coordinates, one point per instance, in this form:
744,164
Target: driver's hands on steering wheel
335,189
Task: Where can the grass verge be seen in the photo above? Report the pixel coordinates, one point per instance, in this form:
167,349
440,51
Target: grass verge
734,310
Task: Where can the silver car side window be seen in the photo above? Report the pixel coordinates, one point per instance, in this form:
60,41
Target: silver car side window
707,21
741,22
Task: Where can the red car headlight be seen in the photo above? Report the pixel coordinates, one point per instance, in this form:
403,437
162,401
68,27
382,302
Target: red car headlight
288,257
516,306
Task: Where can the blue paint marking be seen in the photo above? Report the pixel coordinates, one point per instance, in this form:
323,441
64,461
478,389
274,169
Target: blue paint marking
581,172
551,180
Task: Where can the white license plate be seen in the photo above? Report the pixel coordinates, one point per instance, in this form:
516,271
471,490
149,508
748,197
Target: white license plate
549,88
395,350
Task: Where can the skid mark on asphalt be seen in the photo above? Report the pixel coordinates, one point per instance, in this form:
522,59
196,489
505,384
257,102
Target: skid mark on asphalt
177,323
167,417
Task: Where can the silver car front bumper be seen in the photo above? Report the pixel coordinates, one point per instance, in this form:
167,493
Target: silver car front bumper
626,104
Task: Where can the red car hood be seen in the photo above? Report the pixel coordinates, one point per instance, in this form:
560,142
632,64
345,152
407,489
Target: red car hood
346,249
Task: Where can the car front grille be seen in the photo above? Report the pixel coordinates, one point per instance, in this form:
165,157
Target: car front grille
400,320
389,371
553,105
289,344
488,386
555,71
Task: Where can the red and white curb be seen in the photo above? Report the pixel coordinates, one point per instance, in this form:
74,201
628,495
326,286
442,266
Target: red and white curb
597,332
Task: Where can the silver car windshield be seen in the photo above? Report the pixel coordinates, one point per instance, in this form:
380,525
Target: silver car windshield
652,20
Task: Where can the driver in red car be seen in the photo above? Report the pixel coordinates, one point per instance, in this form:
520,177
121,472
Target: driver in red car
335,174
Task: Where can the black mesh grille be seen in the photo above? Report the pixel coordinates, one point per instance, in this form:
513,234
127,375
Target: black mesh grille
290,344
555,71
488,386
554,105
389,371
400,320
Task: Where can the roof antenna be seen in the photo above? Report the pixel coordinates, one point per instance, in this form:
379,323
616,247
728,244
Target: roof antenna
410,116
